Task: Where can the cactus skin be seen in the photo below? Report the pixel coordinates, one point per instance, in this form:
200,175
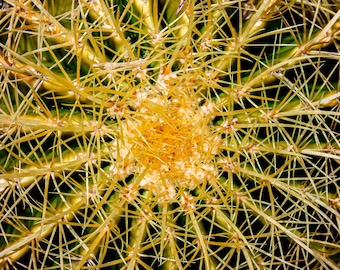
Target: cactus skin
169,134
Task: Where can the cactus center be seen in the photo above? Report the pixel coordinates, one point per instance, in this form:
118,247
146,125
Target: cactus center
168,141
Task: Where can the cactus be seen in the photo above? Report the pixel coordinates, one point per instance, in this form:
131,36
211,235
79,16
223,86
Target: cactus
169,134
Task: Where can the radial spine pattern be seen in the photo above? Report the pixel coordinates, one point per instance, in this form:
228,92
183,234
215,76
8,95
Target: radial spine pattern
176,134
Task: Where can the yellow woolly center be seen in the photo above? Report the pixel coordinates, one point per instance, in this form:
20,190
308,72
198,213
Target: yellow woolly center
168,142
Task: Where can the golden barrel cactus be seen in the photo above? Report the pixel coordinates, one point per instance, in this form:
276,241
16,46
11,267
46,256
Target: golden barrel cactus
170,134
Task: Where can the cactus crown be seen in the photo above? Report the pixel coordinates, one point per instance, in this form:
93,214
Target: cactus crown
169,134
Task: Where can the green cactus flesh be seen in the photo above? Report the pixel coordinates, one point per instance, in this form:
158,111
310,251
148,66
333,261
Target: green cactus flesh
169,134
